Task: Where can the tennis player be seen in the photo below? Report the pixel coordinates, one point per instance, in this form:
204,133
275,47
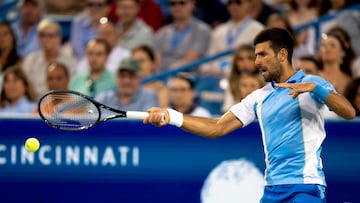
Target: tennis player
289,110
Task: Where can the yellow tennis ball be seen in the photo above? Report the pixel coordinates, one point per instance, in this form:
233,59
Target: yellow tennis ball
32,144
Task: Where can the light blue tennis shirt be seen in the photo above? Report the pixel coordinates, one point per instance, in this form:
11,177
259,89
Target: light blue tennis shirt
292,130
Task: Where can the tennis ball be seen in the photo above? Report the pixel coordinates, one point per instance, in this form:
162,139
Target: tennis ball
32,144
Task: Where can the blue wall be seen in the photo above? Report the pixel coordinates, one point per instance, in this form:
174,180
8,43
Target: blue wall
120,161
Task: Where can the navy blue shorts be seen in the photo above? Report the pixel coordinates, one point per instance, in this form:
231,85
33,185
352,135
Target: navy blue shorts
294,193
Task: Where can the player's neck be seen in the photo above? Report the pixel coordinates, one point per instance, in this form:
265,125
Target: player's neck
288,72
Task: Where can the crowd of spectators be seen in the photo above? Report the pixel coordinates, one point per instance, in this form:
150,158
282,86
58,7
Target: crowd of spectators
114,44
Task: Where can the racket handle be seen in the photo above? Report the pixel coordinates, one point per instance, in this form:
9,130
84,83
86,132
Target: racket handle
139,115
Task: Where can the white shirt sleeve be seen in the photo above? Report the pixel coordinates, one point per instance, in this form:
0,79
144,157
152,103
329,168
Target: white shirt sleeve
244,110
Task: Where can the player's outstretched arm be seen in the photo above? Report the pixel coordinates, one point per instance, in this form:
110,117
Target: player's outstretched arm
337,103
206,127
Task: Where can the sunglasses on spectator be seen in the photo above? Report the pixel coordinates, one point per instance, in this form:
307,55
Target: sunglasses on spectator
93,4
47,35
174,3
238,2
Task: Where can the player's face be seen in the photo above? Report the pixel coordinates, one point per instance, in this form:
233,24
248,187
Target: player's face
267,62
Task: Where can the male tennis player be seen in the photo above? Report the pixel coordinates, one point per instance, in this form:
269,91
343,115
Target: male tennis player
290,113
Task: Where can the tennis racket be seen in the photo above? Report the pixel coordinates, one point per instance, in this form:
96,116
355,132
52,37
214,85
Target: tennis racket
72,111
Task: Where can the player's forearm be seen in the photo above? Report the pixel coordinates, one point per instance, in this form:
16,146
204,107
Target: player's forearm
341,106
205,127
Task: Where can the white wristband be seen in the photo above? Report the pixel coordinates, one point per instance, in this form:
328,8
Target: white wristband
176,118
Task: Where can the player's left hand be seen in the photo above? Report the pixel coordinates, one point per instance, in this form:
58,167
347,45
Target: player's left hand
297,88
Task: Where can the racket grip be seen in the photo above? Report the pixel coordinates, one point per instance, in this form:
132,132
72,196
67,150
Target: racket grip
139,115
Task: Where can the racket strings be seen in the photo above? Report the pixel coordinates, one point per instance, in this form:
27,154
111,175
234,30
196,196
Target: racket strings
69,111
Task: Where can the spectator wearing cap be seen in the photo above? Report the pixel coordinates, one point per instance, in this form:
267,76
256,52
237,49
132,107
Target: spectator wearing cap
129,94
31,12
99,78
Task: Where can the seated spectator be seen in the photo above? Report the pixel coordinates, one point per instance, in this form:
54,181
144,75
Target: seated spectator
8,49
183,41
332,54
57,76
99,78
243,64
16,93
35,64
240,29
31,12
150,12
182,96
309,65
145,56
261,11
350,56
353,94
84,26
133,31
109,33
129,94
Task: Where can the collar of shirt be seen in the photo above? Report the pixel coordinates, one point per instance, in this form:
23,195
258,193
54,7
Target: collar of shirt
23,101
135,28
297,77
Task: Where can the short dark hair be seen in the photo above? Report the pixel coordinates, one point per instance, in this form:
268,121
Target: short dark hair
186,77
60,65
312,59
104,42
145,48
279,38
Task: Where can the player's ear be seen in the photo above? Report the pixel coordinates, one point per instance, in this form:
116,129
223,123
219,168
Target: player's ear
282,55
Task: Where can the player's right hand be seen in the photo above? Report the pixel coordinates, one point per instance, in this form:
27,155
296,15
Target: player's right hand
157,116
